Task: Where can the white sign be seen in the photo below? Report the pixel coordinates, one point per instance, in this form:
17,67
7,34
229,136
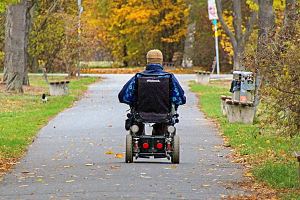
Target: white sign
81,9
212,10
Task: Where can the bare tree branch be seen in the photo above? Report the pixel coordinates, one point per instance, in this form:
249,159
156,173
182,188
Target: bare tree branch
52,9
285,91
224,25
249,28
290,14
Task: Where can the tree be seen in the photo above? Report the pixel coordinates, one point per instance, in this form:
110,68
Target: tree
277,66
4,3
16,43
266,25
239,37
54,38
134,27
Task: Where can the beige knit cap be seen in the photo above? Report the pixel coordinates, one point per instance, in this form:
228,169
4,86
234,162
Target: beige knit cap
155,56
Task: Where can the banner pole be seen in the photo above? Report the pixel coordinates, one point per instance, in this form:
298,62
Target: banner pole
215,23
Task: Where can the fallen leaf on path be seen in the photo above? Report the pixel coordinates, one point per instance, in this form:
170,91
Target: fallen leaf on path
39,180
206,185
227,145
248,174
23,186
109,152
171,167
147,177
115,167
119,155
67,166
89,164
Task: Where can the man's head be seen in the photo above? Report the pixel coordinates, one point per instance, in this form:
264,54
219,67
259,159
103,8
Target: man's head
154,57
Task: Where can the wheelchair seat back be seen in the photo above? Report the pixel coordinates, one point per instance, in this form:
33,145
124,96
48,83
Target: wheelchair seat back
153,98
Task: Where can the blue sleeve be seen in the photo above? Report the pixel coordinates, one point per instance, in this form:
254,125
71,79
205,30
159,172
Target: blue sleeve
178,97
127,94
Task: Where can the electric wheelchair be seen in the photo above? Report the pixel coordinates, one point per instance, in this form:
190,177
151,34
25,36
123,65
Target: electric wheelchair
153,107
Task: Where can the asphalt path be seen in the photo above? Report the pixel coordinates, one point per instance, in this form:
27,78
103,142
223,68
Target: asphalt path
74,156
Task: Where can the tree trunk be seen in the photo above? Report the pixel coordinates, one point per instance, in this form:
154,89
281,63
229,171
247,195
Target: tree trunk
125,54
4,75
238,39
237,58
266,23
29,6
16,41
290,17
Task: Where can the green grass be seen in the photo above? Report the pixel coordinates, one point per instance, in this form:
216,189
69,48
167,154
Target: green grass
270,155
21,116
278,175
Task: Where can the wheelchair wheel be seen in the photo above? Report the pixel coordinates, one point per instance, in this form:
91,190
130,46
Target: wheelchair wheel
129,156
176,150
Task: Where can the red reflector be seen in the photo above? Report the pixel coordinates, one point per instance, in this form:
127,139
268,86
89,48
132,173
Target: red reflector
146,146
159,145
169,147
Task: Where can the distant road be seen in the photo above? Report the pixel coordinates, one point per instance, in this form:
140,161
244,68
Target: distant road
213,76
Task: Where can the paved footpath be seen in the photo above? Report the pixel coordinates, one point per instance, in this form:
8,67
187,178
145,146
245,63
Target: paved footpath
69,159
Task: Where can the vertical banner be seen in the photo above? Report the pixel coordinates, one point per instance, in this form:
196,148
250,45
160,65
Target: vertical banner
213,15
212,10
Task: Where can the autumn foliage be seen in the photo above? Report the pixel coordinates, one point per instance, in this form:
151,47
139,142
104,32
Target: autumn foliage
133,27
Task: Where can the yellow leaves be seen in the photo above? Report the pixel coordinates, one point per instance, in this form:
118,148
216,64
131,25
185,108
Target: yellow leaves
140,25
248,174
279,4
171,167
224,39
9,104
252,5
109,152
119,155
139,16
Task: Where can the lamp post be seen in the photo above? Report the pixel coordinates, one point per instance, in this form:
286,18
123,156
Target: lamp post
213,15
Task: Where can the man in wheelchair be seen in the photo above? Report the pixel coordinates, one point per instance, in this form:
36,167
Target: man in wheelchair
153,96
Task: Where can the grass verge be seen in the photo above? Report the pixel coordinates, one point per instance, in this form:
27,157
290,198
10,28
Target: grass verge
270,156
22,115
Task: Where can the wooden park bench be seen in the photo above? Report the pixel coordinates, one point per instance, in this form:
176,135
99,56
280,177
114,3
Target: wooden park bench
57,88
168,64
237,111
223,104
202,77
